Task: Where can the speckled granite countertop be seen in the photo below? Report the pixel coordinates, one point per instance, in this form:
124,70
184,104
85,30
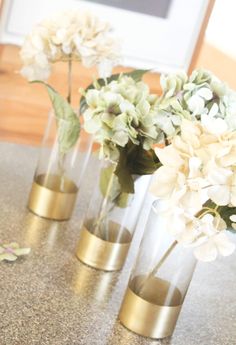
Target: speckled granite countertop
50,298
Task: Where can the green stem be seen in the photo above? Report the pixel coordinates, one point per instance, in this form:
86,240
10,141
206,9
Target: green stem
171,248
61,159
69,80
61,162
103,214
157,267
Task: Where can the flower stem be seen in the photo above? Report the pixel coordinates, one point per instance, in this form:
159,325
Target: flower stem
208,210
103,214
157,267
61,171
69,80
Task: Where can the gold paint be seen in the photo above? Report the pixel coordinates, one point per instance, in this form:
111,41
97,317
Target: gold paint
101,254
153,314
48,201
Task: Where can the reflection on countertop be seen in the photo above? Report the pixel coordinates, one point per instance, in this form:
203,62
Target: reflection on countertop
50,297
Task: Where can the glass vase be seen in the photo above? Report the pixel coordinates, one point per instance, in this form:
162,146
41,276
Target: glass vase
110,221
159,281
59,171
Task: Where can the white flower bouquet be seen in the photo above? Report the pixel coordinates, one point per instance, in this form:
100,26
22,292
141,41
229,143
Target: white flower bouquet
70,36
198,172
197,182
196,206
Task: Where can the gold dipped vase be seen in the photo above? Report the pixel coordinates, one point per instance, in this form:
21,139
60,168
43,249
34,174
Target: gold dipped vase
111,219
148,314
48,199
106,255
159,280
59,171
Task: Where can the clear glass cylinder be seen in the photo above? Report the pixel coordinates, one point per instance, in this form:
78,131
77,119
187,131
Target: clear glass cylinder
62,162
158,282
110,220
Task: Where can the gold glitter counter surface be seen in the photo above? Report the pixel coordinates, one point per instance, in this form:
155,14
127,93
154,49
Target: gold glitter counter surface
51,298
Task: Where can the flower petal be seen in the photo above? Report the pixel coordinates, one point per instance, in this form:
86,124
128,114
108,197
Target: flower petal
169,156
205,92
220,195
224,245
22,251
213,125
164,182
206,252
196,104
8,257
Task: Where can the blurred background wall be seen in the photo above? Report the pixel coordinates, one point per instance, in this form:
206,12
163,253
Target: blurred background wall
24,107
218,52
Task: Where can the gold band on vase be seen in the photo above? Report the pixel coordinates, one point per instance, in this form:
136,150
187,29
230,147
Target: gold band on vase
102,254
144,316
52,197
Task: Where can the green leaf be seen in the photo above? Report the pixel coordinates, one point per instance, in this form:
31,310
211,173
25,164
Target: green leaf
67,121
135,74
106,175
68,133
143,162
134,160
125,179
111,189
225,212
122,172
122,200
62,108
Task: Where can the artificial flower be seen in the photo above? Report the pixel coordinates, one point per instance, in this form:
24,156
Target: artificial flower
201,96
11,251
213,239
120,112
71,35
197,180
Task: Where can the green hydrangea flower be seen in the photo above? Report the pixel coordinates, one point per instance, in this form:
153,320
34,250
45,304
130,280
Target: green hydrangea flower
122,112
192,98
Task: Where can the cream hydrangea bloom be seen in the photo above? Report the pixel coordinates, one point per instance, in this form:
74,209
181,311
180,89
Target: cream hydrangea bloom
213,239
194,97
199,165
76,35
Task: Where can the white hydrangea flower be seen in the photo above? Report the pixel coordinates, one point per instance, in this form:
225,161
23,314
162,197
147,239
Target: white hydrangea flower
71,35
213,240
199,165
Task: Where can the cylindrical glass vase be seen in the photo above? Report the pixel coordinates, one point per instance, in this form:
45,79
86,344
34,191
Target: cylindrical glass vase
158,282
110,220
61,165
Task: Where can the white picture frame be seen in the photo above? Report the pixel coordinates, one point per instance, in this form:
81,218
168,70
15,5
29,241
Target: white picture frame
162,44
